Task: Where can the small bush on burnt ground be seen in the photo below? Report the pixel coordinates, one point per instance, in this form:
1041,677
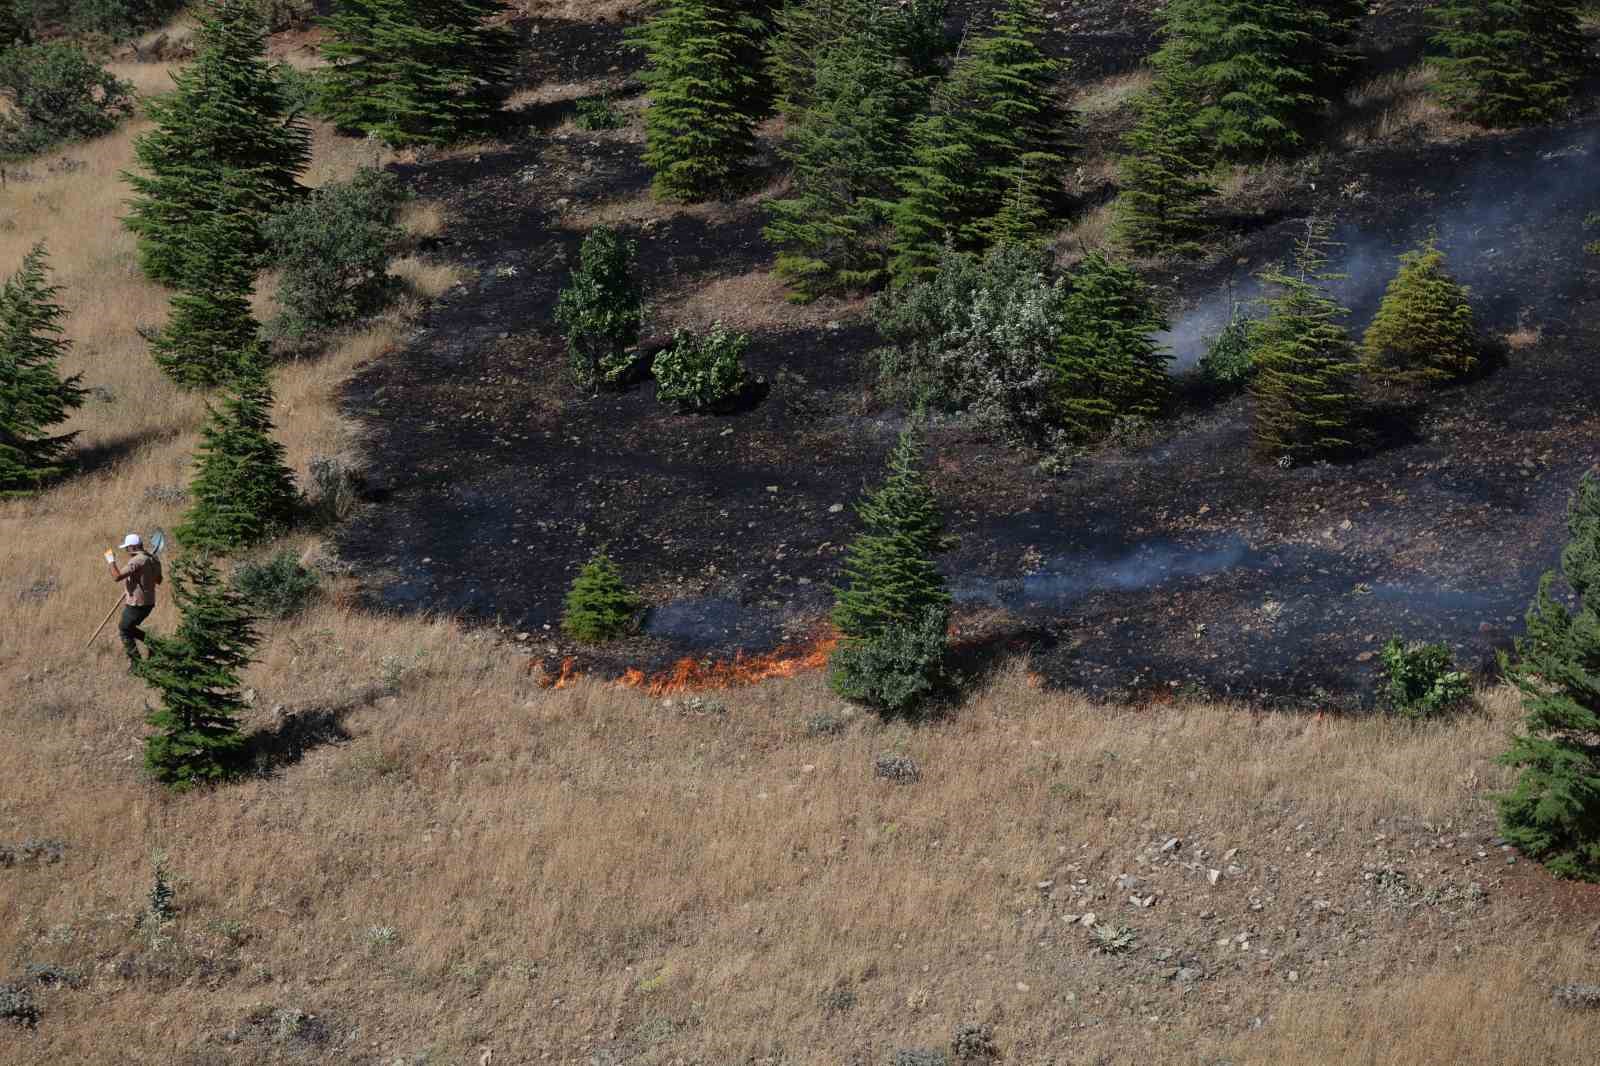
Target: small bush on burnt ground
597,113
31,852
277,588
1229,362
57,93
333,248
17,1006
896,669
973,1042
702,373
1422,679
600,311
599,606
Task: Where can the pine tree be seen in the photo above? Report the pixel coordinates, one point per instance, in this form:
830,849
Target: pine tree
846,148
1553,812
1165,191
34,397
414,71
599,605
808,32
600,310
196,673
998,114
1508,62
1424,331
243,491
1265,68
699,129
1306,363
891,578
16,29
211,325
1109,365
224,136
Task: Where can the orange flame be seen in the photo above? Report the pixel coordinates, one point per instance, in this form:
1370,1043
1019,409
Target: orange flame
691,675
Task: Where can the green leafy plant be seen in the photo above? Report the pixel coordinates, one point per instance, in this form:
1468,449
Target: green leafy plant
1553,811
1229,363
599,606
597,113
333,249
600,311
1422,680
195,672
57,93
277,588
702,373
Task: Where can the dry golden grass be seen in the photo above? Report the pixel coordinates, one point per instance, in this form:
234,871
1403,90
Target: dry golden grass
556,875
584,10
1399,106
1109,94
1089,232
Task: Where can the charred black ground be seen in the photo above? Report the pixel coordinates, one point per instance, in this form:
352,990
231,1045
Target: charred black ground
1181,561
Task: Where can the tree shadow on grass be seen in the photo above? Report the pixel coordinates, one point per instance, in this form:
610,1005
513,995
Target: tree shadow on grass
297,733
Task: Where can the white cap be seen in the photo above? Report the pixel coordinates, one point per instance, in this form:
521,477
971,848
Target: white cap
132,541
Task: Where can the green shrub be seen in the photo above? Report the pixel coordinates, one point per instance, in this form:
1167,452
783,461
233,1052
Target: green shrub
57,93
599,606
596,113
702,373
1230,359
277,588
333,248
1422,679
110,18
894,669
600,310
979,335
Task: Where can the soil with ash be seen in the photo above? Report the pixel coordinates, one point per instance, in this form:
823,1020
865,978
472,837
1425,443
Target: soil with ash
1179,561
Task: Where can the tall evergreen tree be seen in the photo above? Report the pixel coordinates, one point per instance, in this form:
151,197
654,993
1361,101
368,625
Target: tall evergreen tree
1160,210
1553,812
34,397
846,148
700,128
211,326
1507,62
810,31
1108,365
1265,67
243,491
1424,331
196,674
415,71
997,116
1306,363
224,136
16,27
891,578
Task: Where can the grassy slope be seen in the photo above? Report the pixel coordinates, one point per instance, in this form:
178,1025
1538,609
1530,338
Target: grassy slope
588,872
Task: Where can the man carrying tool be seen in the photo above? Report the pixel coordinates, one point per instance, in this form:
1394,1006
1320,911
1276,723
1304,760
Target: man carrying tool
139,579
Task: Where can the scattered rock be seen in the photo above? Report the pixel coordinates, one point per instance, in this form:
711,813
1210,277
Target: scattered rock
1187,975
836,508
1213,876
1172,844
902,769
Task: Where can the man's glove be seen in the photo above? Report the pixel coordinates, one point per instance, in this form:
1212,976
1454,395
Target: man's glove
111,556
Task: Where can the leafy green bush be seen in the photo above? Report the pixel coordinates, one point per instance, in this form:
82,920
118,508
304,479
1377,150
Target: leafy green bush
600,310
57,94
599,606
333,250
894,669
596,113
702,373
1423,681
111,18
978,336
279,587
1230,360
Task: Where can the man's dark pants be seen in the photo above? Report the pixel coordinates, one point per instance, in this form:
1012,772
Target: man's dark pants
129,628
